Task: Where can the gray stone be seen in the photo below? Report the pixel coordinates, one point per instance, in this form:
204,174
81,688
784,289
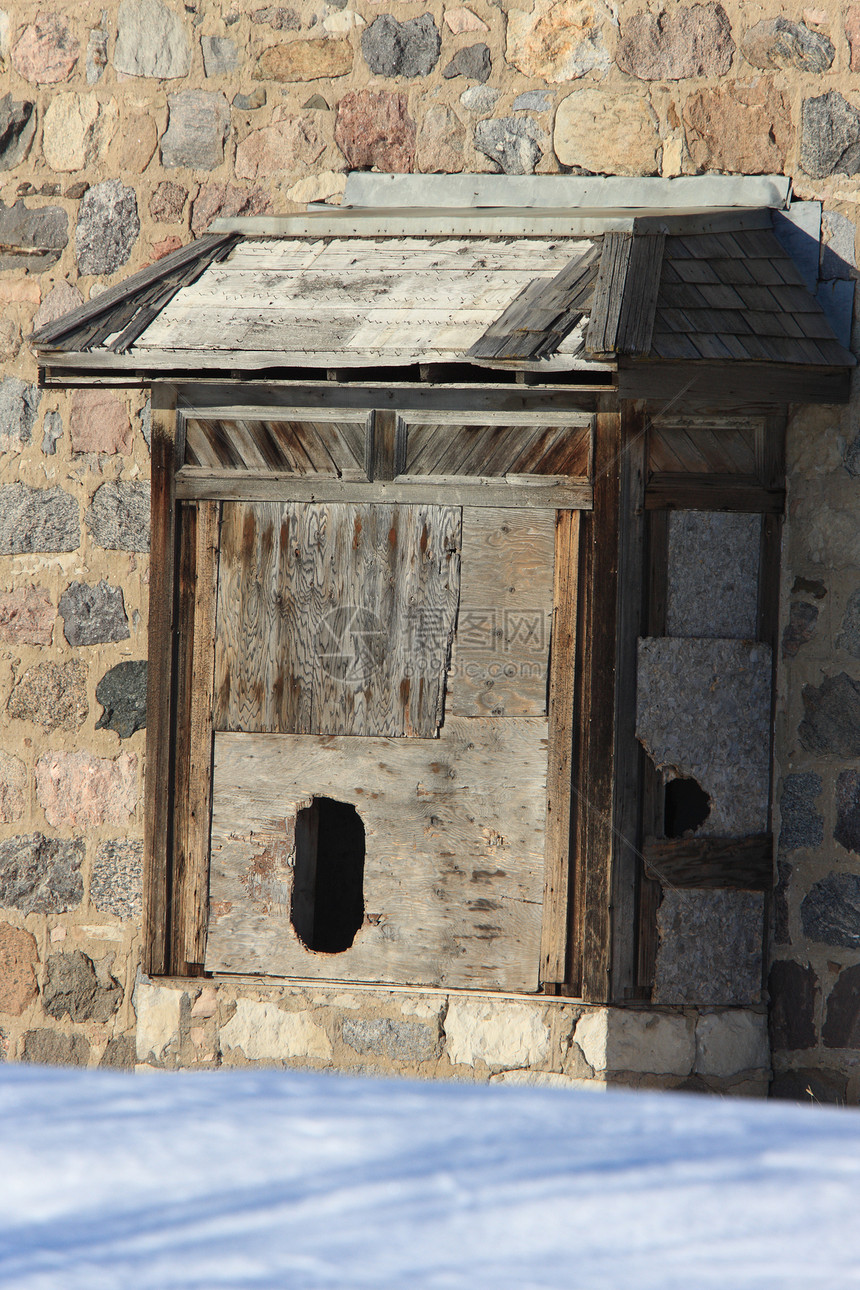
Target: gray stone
532,101
118,516
151,41
704,712
40,875
220,55
801,824
713,574
17,128
38,519
832,720
830,134
52,432
841,1027
399,1041
809,1086
116,882
108,227
145,418
838,258
393,48
849,637
72,988
4,1046
33,239
513,143
93,615
251,102
473,62
695,40
830,911
780,44
480,99
847,828
710,947
19,403
851,459
780,921
800,628
122,694
316,103
120,1053
10,339
97,58
198,125
279,18
52,695
51,1048
167,202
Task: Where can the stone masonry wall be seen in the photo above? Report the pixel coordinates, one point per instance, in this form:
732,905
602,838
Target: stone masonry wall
125,127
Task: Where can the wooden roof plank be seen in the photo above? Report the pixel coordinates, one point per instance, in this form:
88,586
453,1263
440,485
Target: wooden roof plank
609,293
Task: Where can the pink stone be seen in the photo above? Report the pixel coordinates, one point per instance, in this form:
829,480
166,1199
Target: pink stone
206,1005
47,51
460,20
224,201
18,955
375,129
26,616
22,291
80,790
158,250
287,145
99,422
58,302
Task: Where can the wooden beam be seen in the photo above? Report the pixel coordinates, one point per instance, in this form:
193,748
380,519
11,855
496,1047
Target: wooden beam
688,492
736,863
560,752
600,338
401,395
385,446
197,594
732,384
157,792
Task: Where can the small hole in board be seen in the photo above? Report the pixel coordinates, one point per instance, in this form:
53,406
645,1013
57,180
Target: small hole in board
328,882
687,806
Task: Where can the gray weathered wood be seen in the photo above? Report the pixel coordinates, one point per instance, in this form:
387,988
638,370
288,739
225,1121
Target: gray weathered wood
608,294
496,449
295,445
642,286
335,619
454,853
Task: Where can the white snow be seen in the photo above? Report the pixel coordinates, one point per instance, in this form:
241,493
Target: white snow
299,1181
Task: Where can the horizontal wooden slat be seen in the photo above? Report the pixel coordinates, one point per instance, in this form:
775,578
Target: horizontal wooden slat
681,491
745,863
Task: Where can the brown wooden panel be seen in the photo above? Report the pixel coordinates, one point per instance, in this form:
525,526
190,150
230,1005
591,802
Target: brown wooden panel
453,872
335,619
677,449
195,675
501,648
560,753
333,448
745,863
688,492
496,449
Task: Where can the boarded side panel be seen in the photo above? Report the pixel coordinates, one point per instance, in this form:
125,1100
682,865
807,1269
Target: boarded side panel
454,827
323,446
690,449
500,655
335,619
492,448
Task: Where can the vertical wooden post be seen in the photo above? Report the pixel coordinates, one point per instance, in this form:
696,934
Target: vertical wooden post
157,792
554,933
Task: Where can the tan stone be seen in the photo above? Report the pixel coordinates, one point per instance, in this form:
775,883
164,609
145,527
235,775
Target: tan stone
341,22
852,33
79,789
60,300
46,51
559,40
134,148
618,1039
26,616
375,130
158,1009
18,956
741,129
289,143
22,291
614,134
441,140
463,19
327,186
13,782
514,1036
52,695
728,1043
265,1032
99,422
305,60
77,130
10,339
223,201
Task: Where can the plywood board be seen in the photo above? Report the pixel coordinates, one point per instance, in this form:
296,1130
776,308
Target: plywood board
335,619
454,853
500,654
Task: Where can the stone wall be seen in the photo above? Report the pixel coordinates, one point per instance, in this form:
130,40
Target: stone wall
125,127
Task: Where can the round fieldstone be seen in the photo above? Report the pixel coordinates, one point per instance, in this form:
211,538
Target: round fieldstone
847,828
739,129
832,720
830,912
604,133
13,786
393,48
107,229
783,45
34,237
559,40
167,202
52,1048
225,201
116,882
305,60
800,627
220,55
441,140
513,143
38,519
694,40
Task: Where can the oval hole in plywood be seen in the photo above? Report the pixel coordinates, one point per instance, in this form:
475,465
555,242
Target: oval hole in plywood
328,886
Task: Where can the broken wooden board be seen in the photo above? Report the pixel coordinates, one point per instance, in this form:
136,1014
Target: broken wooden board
453,872
335,619
500,653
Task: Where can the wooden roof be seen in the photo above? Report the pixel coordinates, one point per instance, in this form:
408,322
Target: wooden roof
706,291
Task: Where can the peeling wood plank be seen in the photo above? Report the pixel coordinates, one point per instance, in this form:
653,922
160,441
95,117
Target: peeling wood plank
641,288
738,863
454,853
609,294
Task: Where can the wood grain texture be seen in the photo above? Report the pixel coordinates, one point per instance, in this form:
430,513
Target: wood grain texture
500,652
256,398
731,384
641,289
737,863
157,792
686,492
335,619
291,445
560,752
678,449
195,674
495,449
454,853
609,293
